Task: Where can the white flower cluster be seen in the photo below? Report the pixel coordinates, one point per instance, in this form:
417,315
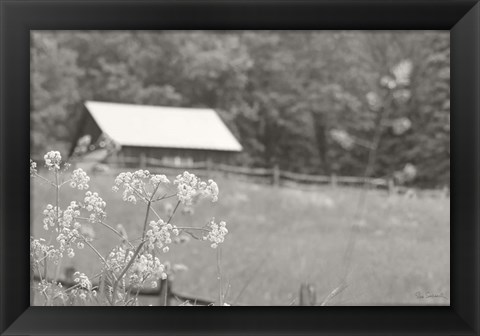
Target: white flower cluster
39,249
80,179
96,205
33,168
53,160
118,259
50,216
52,289
147,266
217,233
159,235
189,187
83,281
159,179
69,233
138,184
68,228
38,246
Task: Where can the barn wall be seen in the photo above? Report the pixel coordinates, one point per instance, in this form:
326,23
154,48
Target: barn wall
87,126
175,155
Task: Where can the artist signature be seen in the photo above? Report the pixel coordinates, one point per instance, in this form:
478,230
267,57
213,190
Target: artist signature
426,295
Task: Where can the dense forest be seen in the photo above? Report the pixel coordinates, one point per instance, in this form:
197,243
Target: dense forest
308,102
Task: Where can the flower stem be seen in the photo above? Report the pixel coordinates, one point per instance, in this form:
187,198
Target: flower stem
130,263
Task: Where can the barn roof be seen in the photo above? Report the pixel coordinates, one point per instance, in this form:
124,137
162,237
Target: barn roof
167,127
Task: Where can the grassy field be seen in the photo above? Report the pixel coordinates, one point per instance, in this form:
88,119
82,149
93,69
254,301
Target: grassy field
281,237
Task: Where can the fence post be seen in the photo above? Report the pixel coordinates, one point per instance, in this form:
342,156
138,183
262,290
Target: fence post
308,295
165,291
276,175
333,180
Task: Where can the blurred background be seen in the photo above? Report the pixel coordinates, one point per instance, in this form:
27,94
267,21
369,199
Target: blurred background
300,125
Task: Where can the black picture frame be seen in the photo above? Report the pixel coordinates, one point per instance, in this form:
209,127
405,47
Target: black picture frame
18,17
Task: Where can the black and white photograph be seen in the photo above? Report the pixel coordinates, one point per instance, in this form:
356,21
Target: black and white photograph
239,168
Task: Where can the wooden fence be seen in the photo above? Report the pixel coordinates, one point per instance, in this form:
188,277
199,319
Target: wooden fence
273,176
166,296
164,292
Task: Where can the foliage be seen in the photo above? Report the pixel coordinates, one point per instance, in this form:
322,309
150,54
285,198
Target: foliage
281,93
133,263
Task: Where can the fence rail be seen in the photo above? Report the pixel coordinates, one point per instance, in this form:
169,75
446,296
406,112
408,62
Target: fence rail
165,293
273,175
167,296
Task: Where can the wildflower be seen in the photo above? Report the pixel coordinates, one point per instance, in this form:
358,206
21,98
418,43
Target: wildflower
217,233
159,235
83,281
189,187
33,168
138,184
209,189
146,266
53,160
118,259
39,249
96,205
67,233
157,179
80,179
50,216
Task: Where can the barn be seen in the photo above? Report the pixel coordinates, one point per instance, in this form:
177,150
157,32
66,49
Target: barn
175,135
